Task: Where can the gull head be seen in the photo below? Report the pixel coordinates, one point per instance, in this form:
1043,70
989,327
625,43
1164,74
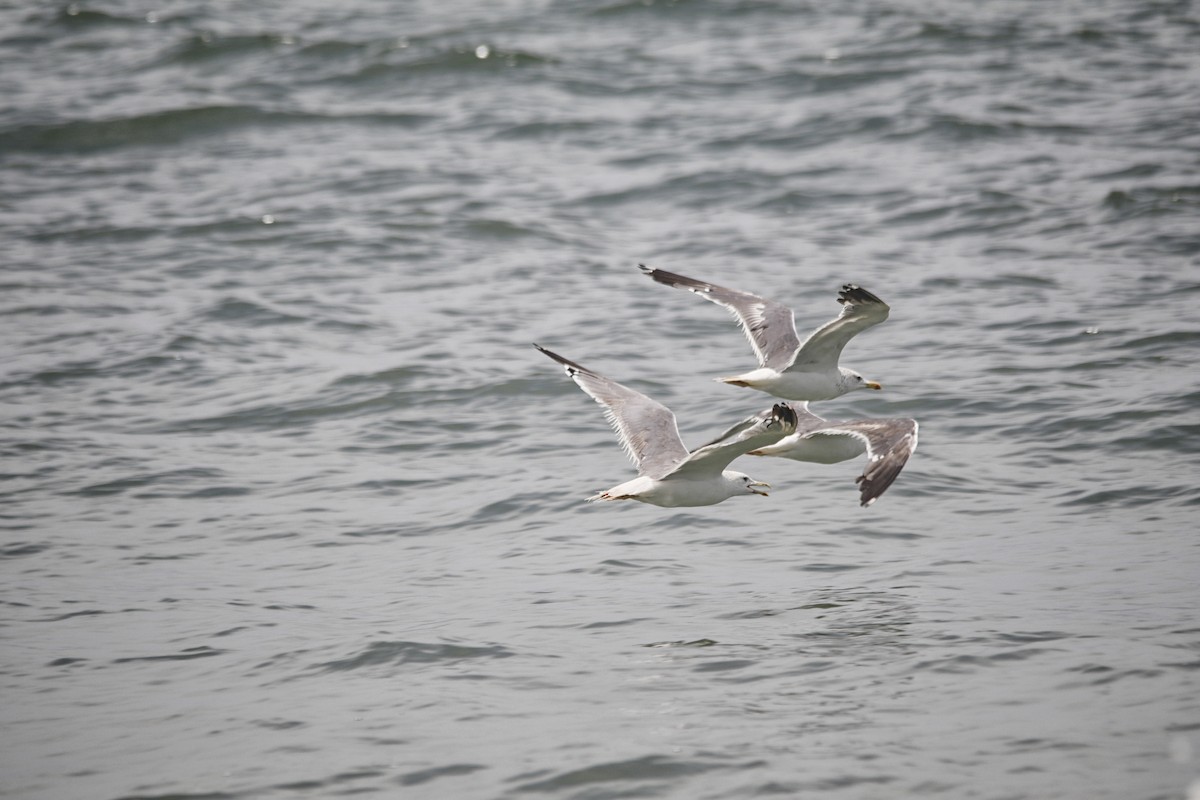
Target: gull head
851,381
744,484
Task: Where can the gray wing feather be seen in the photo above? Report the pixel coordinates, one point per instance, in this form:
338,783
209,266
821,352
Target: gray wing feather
823,348
761,430
646,428
890,442
770,327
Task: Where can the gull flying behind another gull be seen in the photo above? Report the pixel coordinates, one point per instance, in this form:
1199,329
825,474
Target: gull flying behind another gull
790,368
669,475
887,442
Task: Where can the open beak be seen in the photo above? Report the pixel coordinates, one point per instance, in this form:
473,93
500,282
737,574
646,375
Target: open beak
760,483
874,385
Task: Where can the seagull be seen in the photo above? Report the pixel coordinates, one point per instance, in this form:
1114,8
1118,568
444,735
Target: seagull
887,442
787,367
669,475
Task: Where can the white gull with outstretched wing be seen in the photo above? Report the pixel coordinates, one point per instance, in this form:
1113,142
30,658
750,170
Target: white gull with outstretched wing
787,367
668,474
888,443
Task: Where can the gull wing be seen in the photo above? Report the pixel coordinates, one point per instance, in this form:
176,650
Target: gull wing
761,430
646,428
889,442
769,326
823,348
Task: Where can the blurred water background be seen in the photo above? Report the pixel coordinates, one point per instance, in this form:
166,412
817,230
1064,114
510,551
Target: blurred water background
291,508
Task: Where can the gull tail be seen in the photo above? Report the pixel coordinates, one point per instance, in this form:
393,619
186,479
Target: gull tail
606,496
754,379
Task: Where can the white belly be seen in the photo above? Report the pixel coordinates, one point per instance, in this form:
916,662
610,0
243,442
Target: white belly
792,385
819,449
669,493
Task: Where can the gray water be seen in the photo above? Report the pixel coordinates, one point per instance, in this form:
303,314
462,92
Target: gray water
292,509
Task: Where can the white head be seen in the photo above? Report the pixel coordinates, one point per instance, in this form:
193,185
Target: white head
741,483
851,381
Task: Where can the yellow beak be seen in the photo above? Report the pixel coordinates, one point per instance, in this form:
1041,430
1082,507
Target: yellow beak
874,385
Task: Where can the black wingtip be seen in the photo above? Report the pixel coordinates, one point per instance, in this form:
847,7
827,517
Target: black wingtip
868,494
570,366
785,414
655,274
549,353
877,477
853,293
676,280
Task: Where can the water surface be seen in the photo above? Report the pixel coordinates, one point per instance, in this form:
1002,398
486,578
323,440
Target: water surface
292,509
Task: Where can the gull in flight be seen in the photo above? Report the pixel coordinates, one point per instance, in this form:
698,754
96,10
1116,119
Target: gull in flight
887,442
668,474
787,367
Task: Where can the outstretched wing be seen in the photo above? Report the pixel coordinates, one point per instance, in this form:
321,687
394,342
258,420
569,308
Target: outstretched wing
761,430
890,442
646,428
769,326
823,348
